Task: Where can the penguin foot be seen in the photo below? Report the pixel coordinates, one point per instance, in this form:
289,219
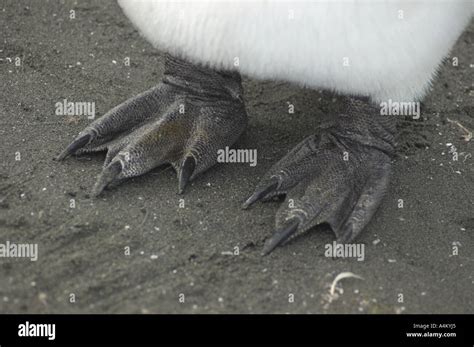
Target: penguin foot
183,121
338,176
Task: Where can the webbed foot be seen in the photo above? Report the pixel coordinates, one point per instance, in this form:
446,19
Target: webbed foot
183,121
338,176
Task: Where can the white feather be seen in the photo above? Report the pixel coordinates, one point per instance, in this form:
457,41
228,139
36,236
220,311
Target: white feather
393,48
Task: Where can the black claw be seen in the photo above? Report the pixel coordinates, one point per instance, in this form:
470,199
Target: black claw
281,235
346,237
260,194
185,173
107,176
74,146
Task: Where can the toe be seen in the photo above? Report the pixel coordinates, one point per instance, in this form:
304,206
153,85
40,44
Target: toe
265,189
81,140
120,119
366,206
109,174
183,121
286,173
185,172
187,141
281,235
345,195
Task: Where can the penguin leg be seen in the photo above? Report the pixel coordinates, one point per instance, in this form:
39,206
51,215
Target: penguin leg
337,176
183,121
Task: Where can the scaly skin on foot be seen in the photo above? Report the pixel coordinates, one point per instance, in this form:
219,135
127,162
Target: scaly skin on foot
337,176
183,121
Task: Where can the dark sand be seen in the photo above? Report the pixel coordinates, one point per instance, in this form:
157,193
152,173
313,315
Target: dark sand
173,250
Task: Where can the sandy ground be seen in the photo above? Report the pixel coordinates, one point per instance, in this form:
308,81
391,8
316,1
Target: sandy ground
177,250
